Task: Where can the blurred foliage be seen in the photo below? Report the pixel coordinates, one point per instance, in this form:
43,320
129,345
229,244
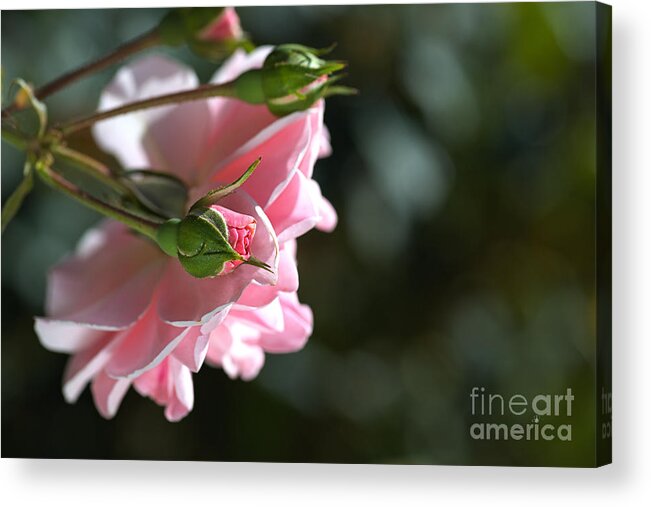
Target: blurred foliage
471,149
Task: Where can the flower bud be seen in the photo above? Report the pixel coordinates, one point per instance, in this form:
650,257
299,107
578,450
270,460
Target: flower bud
209,241
225,26
292,78
212,240
211,32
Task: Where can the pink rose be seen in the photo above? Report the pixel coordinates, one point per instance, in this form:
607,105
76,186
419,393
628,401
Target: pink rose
130,315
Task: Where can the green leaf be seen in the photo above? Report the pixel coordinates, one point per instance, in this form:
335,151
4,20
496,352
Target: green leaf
112,190
12,205
160,192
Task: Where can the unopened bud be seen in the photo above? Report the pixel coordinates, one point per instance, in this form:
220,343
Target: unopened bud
292,78
211,240
211,32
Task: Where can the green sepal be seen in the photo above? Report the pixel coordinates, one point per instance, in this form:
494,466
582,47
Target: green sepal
214,196
248,87
166,236
253,261
302,101
202,243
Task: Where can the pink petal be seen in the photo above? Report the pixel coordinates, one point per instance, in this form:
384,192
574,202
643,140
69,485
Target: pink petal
193,349
65,336
219,344
283,146
234,121
328,220
108,282
188,301
144,345
239,62
316,129
182,399
166,138
297,327
244,361
108,393
268,318
85,364
170,385
213,322
256,295
155,383
173,142
233,347
296,209
325,148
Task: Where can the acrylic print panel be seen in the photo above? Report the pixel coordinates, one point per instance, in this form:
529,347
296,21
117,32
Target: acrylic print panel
406,260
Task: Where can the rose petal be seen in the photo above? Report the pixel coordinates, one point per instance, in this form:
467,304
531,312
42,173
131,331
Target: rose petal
85,364
182,399
316,129
232,346
108,283
297,327
144,345
328,220
325,148
283,146
65,336
244,361
234,121
268,318
193,349
155,383
108,393
296,209
166,138
256,295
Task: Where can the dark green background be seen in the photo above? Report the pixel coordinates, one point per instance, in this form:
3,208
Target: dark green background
464,177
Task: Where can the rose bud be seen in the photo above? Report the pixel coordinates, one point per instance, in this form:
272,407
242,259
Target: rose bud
209,241
210,32
292,78
226,26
